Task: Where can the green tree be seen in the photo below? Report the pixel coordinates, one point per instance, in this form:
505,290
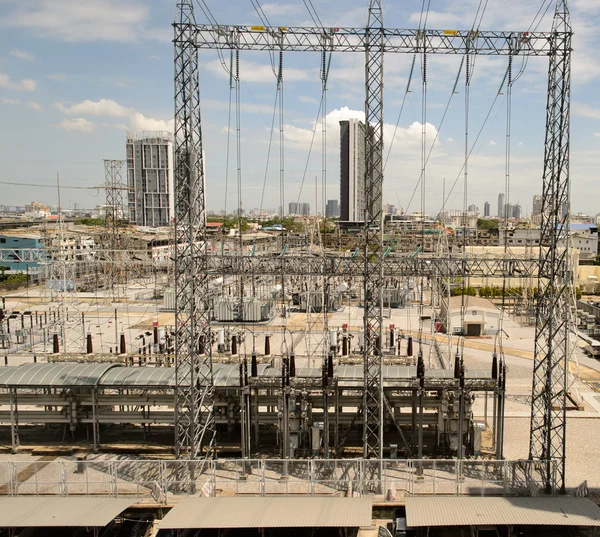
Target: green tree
487,224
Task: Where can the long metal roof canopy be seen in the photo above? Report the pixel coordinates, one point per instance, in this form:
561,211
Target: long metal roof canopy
269,512
60,511
66,374
430,511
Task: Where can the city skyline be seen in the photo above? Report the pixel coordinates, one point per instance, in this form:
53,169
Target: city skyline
66,89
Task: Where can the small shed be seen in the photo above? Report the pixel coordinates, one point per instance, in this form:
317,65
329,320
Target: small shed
481,316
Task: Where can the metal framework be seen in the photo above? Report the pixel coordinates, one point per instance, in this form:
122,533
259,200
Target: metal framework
373,246
547,438
194,409
548,407
113,186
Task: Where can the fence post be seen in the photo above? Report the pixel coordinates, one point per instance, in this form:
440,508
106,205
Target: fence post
12,480
62,478
434,476
311,476
456,477
213,477
262,477
163,479
505,478
113,477
482,478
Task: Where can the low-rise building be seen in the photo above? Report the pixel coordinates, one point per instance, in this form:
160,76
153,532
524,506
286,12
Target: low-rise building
481,316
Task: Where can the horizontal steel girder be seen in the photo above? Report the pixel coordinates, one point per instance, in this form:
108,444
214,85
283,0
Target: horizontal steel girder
491,43
480,266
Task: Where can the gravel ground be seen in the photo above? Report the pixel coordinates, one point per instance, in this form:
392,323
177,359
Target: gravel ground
583,448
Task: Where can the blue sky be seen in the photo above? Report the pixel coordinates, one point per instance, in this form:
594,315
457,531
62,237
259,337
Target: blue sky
76,75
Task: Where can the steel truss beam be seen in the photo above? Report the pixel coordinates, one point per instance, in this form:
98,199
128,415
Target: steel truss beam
548,407
356,39
547,438
348,267
393,266
194,408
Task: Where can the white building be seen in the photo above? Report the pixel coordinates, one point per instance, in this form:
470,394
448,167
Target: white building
150,177
352,170
481,316
584,238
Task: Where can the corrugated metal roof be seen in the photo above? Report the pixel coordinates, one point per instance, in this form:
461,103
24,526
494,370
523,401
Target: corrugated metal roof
266,512
59,374
60,511
139,376
426,511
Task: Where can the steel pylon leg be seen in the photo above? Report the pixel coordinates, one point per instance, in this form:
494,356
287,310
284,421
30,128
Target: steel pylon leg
373,247
194,409
548,407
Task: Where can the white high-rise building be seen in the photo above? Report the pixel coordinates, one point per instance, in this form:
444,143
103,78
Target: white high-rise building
151,200
352,171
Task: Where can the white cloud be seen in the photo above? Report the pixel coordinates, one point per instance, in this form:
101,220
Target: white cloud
436,18
26,84
585,110
58,77
262,72
103,107
74,20
139,122
33,105
281,9
77,124
450,139
406,139
110,108
597,134
29,104
310,100
493,142
22,54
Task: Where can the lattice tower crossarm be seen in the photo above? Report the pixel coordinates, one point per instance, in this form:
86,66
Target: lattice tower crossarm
548,407
194,409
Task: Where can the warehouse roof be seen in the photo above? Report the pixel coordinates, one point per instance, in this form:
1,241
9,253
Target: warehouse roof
429,511
106,375
139,376
60,511
59,374
272,512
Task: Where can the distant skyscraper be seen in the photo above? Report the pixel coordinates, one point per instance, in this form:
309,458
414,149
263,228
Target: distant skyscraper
352,171
302,209
486,208
150,179
332,210
500,206
536,208
516,211
473,208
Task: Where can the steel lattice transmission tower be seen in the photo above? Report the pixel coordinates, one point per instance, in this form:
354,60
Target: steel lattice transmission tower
113,240
549,392
195,425
194,410
373,247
